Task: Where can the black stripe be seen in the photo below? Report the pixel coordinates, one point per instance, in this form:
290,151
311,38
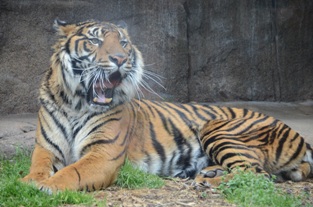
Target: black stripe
253,124
180,141
86,57
164,120
78,105
296,153
101,141
134,59
258,137
212,113
76,47
47,88
235,124
119,155
78,174
182,115
252,115
77,129
295,137
282,141
147,158
64,97
55,169
101,124
233,147
229,165
77,69
231,111
44,134
161,105
64,77
173,155
157,146
223,111
209,141
58,124
67,46
215,129
85,47
245,112
127,135
225,137
196,111
229,155
148,106
131,126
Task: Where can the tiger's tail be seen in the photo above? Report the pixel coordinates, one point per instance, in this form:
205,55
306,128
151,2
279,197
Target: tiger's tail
308,158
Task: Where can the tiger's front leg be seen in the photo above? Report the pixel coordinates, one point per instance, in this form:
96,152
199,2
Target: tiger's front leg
92,172
42,165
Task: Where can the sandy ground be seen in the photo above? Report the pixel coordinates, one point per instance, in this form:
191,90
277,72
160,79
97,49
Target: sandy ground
19,131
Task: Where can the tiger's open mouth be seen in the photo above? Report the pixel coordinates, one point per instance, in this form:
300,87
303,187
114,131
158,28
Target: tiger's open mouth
102,90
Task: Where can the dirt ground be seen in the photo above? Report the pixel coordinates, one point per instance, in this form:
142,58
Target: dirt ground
19,130
180,193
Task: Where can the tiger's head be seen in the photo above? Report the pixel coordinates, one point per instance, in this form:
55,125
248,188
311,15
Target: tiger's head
98,66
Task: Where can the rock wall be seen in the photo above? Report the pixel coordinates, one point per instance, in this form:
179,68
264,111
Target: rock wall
207,50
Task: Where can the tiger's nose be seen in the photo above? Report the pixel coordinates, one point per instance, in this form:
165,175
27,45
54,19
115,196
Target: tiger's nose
118,59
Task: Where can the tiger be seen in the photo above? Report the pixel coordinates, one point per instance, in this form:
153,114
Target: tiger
92,117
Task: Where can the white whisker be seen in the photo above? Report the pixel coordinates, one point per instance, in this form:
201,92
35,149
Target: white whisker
146,86
148,65
154,74
155,78
137,88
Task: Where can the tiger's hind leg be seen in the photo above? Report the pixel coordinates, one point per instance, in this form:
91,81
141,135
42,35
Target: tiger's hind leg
301,171
214,175
228,151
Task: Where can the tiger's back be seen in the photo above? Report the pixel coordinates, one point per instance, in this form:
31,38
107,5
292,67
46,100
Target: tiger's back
182,138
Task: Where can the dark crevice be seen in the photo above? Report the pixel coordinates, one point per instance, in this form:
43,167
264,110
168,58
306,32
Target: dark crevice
187,13
276,69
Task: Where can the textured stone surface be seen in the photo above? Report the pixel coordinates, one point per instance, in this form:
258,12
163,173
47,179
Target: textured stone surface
207,50
250,50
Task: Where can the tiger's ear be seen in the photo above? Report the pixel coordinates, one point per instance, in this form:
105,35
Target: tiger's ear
122,24
63,28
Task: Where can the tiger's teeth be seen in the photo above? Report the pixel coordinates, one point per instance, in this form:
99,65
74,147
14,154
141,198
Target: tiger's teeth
108,100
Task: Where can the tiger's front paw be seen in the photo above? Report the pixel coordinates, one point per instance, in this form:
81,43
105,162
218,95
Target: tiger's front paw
53,185
34,178
49,187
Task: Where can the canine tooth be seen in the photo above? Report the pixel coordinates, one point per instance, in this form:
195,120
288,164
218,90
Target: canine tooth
108,100
95,99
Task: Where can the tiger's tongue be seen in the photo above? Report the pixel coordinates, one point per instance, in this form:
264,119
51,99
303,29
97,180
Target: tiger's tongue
103,94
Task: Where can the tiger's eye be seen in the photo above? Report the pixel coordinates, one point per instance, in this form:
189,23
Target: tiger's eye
123,43
95,41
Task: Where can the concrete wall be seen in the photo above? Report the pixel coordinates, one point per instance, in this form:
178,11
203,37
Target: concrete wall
207,50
